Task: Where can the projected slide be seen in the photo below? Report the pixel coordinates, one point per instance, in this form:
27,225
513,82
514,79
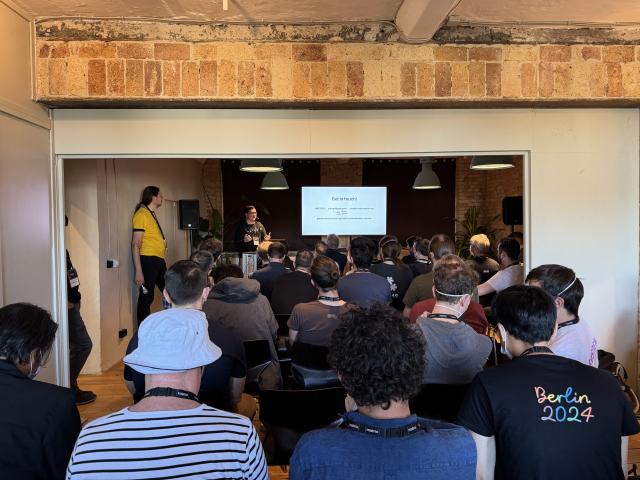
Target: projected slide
344,210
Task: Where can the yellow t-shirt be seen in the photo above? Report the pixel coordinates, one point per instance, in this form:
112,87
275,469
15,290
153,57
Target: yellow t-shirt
153,243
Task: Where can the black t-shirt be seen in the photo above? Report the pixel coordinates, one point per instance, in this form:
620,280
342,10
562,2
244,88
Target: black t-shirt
214,388
399,277
257,231
420,267
338,257
290,289
552,417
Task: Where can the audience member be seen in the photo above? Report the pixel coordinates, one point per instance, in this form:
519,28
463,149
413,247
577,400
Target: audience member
213,246
266,276
539,403
236,303
520,238
421,264
361,286
262,252
333,243
411,256
512,271
169,433
206,261
480,248
294,287
456,352
392,269
421,287
320,248
380,360
314,322
40,421
223,380
574,338
80,343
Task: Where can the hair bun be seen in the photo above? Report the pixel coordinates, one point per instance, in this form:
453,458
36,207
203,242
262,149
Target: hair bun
335,274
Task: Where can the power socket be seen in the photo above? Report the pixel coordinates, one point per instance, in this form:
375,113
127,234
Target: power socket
122,333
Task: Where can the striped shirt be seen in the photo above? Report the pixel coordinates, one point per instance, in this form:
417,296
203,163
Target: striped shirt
197,443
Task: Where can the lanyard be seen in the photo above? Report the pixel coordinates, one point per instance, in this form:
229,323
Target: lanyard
569,323
447,316
383,432
536,349
171,392
157,222
328,299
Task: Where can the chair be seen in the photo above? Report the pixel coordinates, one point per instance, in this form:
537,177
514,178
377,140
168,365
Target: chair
310,368
258,355
283,328
288,414
439,401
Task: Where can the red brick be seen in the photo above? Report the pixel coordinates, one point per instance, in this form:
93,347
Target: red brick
96,50
190,74
134,78
491,54
408,79
494,79
450,53
208,78
309,52
115,78
614,80
477,79
591,53
246,79
97,78
171,79
529,80
545,82
355,79
618,53
301,83
555,53
152,78
227,78
319,79
443,79
425,80
172,51
44,50
137,50
59,50
337,72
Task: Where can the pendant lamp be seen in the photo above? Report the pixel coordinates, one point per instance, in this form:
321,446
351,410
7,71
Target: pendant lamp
274,181
261,165
492,162
427,178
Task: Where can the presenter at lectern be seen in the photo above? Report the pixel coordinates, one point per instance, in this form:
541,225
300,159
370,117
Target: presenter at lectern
250,232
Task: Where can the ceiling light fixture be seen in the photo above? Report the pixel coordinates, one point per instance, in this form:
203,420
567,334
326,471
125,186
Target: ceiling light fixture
491,162
261,165
274,181
427,178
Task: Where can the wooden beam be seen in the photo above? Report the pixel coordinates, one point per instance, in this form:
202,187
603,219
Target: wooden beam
419,20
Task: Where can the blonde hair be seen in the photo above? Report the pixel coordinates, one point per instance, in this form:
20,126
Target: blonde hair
262,250
481,243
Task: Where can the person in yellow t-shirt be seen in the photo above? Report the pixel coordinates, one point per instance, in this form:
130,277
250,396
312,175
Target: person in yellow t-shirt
148,247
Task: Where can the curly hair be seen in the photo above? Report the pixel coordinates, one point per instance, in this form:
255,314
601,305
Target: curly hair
452,276
378,356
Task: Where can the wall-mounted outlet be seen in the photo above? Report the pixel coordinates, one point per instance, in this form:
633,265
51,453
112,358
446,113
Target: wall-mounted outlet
113,263
122,333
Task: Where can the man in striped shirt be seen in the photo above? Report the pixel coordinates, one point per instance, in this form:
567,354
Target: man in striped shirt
169,433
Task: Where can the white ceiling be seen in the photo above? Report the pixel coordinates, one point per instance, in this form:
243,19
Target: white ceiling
242,11
564,12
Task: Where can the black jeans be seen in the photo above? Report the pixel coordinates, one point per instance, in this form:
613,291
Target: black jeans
79,344
153,270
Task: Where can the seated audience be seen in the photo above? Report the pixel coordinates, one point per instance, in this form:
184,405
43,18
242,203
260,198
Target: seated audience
574,338
39,421
411,256
473,316
421,264
456,352
333,243
294,287
213,246
314,322
361,286
542,415
262,251
512,271
392,269
236,303
421,287
480,248
379,359
223,380
206,261
320,248
520,238
170,433
266,276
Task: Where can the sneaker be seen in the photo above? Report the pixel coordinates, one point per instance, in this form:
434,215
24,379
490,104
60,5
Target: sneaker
84,396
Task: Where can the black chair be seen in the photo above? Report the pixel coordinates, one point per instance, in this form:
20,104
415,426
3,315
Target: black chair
288,414
283,328
310,368
258,355
439,401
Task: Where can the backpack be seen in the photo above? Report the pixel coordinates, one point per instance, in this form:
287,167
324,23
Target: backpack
606,361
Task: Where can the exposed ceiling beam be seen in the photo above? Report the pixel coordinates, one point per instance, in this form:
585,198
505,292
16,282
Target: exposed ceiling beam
419,20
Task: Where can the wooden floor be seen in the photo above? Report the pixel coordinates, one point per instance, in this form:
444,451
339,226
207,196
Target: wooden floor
113,395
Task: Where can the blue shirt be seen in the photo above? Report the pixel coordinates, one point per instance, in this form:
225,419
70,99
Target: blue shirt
442,451
364,288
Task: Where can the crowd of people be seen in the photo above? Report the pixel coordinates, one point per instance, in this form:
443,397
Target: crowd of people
391,324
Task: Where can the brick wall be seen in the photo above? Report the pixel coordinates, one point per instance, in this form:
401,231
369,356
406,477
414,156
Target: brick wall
212,185
344,172
486,189
190,72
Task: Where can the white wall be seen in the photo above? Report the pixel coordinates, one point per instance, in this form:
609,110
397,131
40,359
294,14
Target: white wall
582,185
25,174
100,195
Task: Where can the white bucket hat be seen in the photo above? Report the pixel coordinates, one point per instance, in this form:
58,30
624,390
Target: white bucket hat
172,341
